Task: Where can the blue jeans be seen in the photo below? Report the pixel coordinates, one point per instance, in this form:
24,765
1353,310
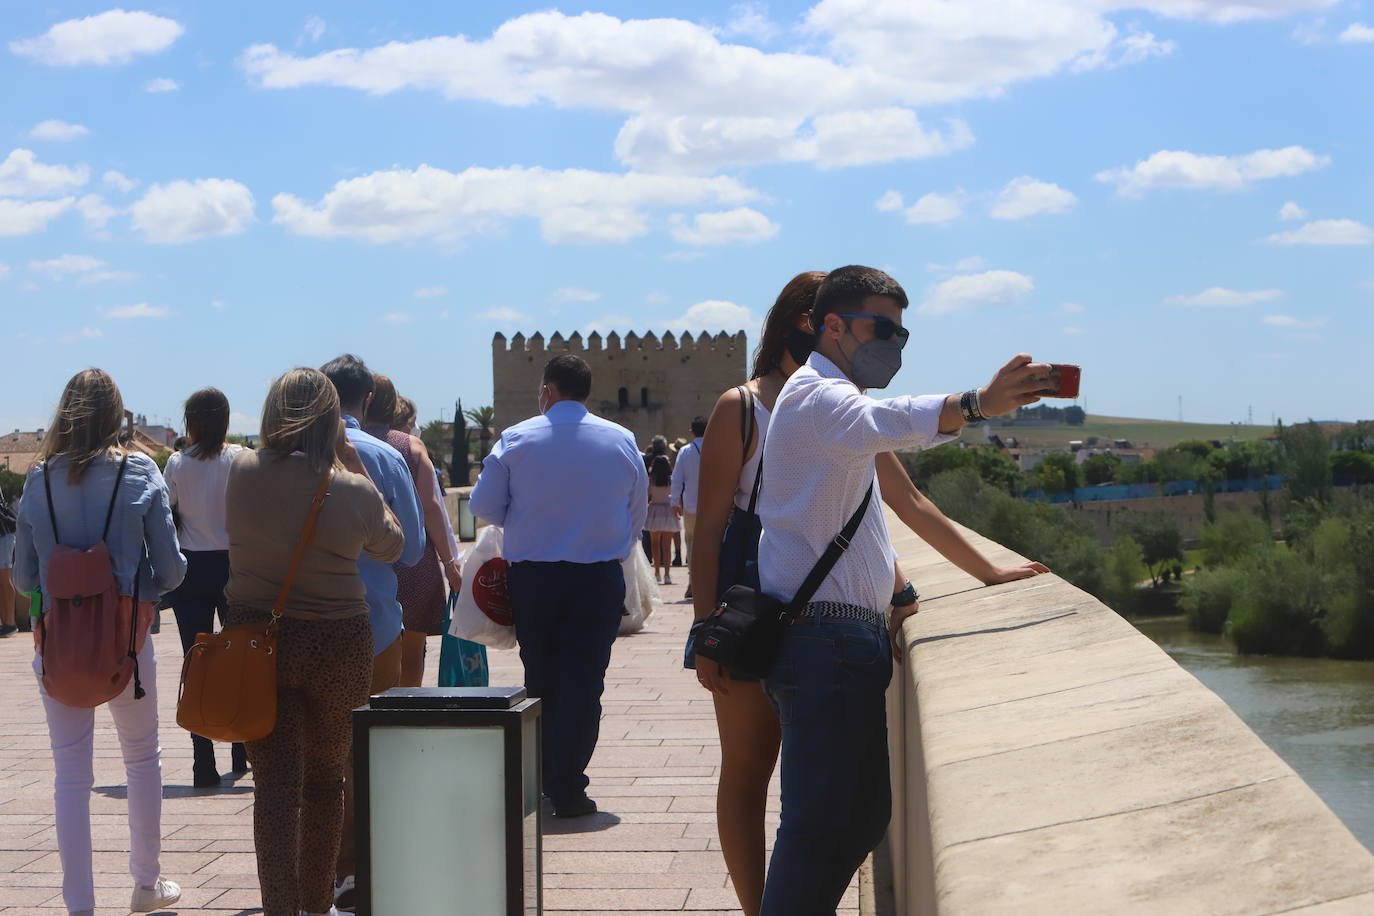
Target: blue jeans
829,688
566,618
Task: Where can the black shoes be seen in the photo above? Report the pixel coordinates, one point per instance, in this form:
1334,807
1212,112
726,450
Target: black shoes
8,629
205,777
240,760
579,808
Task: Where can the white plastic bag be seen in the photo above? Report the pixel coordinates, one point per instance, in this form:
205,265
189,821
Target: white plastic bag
484,613
641,592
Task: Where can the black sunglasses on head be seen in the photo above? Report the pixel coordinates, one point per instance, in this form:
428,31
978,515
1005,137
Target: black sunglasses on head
883,327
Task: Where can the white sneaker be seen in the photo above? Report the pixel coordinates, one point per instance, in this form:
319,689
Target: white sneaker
162,894
333,911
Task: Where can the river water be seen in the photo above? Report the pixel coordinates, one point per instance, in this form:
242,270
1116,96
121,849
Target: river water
1317,714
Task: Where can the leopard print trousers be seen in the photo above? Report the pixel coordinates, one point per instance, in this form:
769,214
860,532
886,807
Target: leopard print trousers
324,668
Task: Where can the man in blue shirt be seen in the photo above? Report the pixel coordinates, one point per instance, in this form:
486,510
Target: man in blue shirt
571,490
353,381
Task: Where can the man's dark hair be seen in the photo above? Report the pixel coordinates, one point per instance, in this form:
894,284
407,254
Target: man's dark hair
570,375
351,379
698,426
845,289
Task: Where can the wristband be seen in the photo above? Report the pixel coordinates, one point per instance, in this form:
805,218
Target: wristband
906,597
971,407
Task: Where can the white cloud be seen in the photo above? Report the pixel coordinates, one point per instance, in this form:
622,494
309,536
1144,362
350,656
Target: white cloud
314,28
1026,196
216,304
503,314
1325,232
1220,296
656,298
95,211
936,208
398,318
118,181
741,225
572,205
141,310
751,20
429,292
1180,169
1357,32
572,294
67,264
161,84
991,287
1291,210
18,217
86,333
1368,284
22,175
112,37
4,269
1072,308
106,276
871,136
57,131
712,316
1288,321
890,202
1073,329
182,211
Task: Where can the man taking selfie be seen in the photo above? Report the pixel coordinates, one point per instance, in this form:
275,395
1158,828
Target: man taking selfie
834,664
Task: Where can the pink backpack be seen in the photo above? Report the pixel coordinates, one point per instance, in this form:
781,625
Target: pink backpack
88,640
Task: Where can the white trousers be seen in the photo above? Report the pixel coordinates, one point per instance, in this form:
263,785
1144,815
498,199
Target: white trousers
71,732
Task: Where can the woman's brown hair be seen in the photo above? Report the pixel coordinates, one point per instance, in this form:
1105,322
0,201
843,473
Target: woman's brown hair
795,300
301,414
662,471
382,411
405,415
87,422
207,423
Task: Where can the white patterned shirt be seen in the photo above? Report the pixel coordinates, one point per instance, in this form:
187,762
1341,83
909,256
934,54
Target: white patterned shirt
818,460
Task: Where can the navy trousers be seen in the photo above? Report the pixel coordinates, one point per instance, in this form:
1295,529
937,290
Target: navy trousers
566,618
195,602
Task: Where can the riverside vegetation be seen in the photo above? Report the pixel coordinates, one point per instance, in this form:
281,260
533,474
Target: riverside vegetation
1308,592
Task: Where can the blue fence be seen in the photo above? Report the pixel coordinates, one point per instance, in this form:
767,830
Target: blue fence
1154,490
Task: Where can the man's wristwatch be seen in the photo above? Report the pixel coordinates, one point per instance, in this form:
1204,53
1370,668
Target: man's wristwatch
906,597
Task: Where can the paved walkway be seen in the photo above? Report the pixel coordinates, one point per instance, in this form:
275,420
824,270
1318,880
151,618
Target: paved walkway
652,849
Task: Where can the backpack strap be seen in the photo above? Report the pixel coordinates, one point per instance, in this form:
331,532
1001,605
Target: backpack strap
114,494
52,516
748,397
827,562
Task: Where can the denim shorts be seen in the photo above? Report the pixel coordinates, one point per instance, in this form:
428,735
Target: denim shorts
6,551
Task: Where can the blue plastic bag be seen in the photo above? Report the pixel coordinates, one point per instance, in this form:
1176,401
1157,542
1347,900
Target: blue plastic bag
461,663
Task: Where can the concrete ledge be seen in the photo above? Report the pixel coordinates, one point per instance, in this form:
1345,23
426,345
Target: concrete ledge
1048,758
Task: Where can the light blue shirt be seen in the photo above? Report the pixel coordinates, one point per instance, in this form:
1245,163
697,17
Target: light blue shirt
388,471
142,518
568,486
686,475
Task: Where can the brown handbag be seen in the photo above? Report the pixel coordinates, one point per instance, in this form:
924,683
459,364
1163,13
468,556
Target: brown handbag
229,678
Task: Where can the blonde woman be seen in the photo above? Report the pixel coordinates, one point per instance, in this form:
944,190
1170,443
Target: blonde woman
84,470
324,656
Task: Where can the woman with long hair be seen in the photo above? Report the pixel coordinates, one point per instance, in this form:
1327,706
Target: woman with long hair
419,588
745,718
324,644
197,477
661,521
99,492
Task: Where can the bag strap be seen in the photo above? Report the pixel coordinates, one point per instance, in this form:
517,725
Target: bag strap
827,562
114,494
307,534
747,420
52,515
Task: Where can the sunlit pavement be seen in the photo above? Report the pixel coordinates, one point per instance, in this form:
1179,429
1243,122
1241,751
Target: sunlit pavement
652,847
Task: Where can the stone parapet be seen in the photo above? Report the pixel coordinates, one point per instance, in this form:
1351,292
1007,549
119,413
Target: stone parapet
1050,759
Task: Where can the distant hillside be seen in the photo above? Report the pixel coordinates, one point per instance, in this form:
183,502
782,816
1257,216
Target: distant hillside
1141,433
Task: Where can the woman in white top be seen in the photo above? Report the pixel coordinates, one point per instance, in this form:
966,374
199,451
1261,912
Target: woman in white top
196,479
745,718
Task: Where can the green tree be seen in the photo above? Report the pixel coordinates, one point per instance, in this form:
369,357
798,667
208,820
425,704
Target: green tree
1123,570
1074,415
1208,596
11,483
1159,537
1058,472
1234,535
1357,467
993,465
434,435
484,418
1307,462
160,459
1101,468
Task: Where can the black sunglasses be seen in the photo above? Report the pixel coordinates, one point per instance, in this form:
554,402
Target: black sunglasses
883,327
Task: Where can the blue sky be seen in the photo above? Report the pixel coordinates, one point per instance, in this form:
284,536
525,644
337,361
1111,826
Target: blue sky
1174,194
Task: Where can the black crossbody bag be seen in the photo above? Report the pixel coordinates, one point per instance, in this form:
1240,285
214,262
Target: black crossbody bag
746,629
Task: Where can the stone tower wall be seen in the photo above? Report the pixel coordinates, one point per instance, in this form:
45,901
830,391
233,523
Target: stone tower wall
648,384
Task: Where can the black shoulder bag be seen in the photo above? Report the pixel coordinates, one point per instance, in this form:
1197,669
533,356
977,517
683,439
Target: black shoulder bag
746,629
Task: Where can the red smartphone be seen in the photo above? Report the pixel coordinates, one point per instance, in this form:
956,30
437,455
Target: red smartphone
1063,381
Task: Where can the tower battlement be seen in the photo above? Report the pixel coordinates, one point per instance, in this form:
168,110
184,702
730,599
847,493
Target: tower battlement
650,383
